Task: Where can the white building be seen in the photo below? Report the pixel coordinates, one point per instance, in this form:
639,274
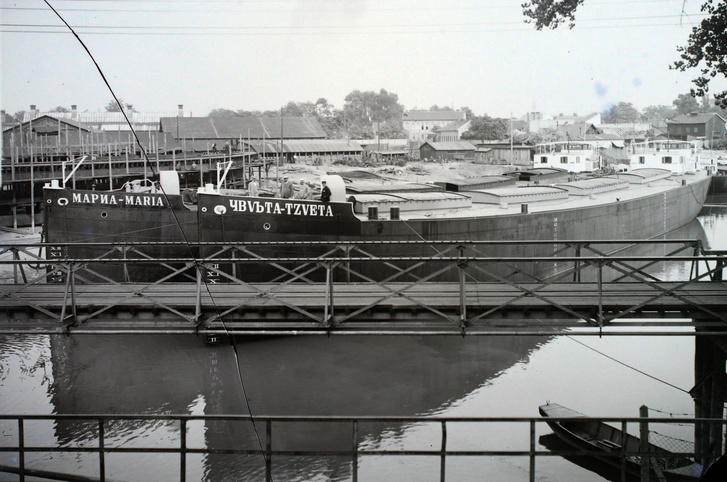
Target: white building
420,124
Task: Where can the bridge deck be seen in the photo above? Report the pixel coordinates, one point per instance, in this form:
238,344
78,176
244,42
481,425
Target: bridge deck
480,307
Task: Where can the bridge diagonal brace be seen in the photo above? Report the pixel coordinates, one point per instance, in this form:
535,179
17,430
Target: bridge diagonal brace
670,292
525,292
400,293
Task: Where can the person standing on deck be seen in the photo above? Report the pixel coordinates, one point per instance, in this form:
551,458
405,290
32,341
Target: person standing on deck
303,191
286,192
253,187
325,192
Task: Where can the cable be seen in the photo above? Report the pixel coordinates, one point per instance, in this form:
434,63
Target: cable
627,365
197,265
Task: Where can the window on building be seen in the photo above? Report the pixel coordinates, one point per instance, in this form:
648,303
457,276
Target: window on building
564,160
578,159
666,160
543,160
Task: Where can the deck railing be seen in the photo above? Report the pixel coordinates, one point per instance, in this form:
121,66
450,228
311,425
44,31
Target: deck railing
274,434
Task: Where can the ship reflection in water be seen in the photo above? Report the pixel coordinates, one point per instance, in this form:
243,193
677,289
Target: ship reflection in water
349,376
281,376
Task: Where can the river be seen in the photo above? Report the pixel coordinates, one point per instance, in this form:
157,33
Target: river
352,376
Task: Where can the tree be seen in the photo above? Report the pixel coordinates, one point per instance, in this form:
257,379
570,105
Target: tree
60,109
222,113
707,45
299,109
112,106
621,113
7,119
467,112
706,48
660,112
487,128
362,109
685,104
551,13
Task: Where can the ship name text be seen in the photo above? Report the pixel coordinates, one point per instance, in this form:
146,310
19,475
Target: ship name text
286,208
119,199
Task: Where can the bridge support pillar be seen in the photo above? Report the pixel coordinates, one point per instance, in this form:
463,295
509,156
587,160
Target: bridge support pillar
709,394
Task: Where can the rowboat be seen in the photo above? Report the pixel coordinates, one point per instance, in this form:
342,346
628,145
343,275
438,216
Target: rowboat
600,438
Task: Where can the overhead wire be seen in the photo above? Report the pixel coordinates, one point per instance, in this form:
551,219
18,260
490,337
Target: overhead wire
186,240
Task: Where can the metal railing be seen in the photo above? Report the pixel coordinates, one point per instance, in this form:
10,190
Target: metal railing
272,428
577,280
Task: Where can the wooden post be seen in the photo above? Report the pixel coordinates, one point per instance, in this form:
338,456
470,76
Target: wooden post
644,443
32,192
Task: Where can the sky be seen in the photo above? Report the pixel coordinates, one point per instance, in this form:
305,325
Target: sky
262,54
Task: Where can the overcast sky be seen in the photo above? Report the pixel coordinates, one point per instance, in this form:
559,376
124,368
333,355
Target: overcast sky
261,54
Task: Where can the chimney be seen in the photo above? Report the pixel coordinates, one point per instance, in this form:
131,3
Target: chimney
74,112
33,111
180,110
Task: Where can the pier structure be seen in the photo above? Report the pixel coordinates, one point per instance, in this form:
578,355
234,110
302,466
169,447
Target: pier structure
24,180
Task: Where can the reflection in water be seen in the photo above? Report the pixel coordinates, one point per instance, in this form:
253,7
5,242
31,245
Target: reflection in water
282,376
474,376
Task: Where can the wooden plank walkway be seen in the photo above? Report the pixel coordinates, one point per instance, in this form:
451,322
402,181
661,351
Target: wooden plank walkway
528,308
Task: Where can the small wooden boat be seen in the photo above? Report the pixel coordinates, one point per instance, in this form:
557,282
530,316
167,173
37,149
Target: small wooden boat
595,436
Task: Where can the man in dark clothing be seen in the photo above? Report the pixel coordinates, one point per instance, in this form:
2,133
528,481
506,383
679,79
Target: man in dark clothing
325,192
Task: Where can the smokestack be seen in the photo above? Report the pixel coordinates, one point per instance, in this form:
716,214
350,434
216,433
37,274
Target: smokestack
74,112
180,110
33,111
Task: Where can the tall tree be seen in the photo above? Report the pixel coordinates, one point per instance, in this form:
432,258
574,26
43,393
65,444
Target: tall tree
705,50
487,128
685,104
660,112
299,109
623,112
362,109
60,109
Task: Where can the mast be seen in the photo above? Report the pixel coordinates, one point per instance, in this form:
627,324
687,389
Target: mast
280,152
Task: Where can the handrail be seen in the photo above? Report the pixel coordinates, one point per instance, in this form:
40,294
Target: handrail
278,426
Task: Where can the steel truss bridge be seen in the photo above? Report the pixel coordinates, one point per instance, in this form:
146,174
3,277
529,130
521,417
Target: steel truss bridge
593,287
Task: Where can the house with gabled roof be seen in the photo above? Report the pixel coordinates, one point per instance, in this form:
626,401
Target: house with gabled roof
459,150
708,126
451,132
420,124
44,134
538,121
